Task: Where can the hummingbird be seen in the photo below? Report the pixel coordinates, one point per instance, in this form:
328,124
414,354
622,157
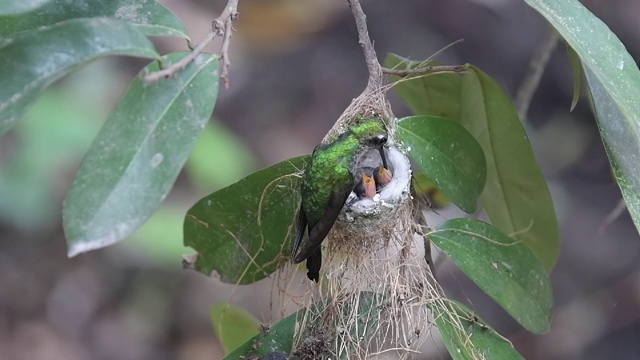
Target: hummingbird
329,178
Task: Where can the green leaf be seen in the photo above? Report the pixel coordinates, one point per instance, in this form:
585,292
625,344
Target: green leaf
502,267
466,336
18,6
244,231
233,325
576,71
136,157
448,155
33,60
516,197
614,83
150,17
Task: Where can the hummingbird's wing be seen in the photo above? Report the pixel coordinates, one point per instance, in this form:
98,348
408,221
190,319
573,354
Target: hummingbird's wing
314,262
319,229
301,227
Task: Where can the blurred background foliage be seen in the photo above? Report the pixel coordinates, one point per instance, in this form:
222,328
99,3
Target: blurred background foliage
295,67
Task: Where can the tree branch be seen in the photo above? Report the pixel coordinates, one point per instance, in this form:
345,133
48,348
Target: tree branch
221,26
424,70
375,70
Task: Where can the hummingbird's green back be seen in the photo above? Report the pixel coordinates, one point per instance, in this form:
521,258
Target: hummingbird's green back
330,167
327,183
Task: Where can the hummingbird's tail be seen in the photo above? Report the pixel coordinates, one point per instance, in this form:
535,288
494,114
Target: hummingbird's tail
314,262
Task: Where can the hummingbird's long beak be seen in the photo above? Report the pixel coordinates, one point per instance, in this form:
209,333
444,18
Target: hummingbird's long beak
384,158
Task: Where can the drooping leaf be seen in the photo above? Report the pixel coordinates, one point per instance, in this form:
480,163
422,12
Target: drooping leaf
502,267
466,336
150,17
516,197
9,7
33,60
136,157
233,325
243,232
448,155
614,83
576,71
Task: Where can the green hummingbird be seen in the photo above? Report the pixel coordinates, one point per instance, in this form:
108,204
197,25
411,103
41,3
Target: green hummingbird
329,178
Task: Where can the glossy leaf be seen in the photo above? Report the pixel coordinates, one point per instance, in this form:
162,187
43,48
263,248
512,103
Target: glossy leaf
516,197
33,60
233,325
502,267
8,7
243,232
150,17
136,157
448,155
614,83
466,336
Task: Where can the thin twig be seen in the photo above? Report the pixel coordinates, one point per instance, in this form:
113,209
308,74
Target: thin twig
425,70
536,68
224,51
221,26
445,48
621,206
375,70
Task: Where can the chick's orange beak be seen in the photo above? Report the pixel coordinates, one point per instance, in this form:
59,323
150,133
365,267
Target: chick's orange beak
369,186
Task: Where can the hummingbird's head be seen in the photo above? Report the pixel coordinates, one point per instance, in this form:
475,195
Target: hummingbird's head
370,132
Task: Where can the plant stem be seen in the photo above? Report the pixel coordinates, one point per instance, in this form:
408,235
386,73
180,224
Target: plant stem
425,70
375,70
221,26
531,81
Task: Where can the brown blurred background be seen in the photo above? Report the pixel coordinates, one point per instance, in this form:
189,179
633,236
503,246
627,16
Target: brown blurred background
296,65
